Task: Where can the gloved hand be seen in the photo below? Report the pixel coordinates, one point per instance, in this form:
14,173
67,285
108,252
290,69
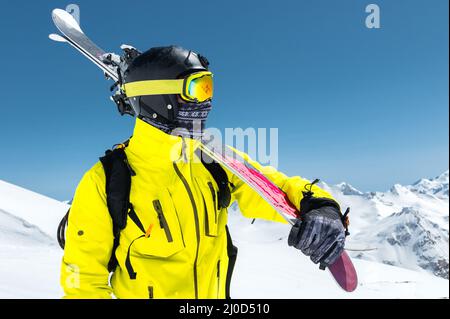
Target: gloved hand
320,231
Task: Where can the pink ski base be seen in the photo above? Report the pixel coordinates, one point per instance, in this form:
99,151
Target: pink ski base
344,272
270,191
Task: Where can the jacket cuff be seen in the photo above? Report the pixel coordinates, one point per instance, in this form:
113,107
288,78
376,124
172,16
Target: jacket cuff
309,203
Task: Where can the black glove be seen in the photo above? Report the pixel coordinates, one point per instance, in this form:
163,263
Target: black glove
320,232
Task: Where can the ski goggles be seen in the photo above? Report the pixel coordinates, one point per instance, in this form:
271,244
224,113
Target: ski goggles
196,87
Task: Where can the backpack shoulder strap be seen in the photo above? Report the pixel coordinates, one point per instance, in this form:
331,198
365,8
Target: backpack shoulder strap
118,185
61,233
220,177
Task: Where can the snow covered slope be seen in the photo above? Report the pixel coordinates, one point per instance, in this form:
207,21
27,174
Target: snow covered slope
408,225
29,255
18,231
266,266
36,209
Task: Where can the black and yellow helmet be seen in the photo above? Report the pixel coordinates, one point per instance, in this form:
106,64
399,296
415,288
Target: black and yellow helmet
157,80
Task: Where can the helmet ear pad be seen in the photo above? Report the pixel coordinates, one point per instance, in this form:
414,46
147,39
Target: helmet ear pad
160,107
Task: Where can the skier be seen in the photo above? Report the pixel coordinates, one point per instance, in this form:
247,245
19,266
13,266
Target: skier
154,214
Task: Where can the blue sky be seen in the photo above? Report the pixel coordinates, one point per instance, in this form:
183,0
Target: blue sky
366,106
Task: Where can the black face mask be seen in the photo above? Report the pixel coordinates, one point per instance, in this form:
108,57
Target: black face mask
192,117
189,121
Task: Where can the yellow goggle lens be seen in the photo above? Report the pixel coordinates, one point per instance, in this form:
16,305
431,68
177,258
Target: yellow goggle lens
199,87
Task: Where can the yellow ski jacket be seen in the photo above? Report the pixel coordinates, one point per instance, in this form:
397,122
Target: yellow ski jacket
186,256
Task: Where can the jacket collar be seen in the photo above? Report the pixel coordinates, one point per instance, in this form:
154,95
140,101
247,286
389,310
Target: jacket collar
149,142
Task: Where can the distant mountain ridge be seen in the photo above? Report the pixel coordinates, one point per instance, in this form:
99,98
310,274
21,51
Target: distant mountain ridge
437,186
408,225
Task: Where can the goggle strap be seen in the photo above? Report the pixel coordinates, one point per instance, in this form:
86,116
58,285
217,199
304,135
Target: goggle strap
153,87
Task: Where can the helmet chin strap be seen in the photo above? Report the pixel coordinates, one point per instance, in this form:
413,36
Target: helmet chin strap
189,120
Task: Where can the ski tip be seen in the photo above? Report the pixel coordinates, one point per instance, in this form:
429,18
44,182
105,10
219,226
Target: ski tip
344,273
63,18
56,37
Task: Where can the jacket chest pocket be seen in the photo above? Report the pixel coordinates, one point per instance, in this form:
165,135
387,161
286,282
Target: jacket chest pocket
211,208
161,234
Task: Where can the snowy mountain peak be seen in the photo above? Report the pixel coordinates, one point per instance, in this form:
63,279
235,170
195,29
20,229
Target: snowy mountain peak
398,189
437,186
444,177
410,237
348,189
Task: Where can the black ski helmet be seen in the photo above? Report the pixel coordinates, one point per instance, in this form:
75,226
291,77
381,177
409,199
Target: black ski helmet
161,63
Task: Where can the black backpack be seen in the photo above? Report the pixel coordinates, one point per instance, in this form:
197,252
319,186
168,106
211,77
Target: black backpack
118,173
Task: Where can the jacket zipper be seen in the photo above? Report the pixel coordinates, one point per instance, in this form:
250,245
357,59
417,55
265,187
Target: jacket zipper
197,225
218,278
162,220
206,217
179,224
213,193
150,292
205,208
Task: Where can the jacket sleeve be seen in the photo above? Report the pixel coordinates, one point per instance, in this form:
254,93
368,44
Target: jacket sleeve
89,240
252,205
